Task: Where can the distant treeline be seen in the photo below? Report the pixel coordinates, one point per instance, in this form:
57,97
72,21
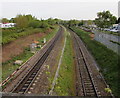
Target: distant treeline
24,21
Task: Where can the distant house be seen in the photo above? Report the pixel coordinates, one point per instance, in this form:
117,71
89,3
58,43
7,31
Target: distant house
90,24
7,25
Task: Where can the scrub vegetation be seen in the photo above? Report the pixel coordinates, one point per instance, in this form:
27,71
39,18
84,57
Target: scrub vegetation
10,34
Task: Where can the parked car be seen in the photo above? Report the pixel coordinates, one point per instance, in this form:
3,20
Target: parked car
114,30
107,29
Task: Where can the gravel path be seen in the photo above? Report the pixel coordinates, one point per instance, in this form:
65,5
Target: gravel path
57,72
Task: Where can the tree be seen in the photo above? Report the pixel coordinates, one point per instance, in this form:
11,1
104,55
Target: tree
5,20
81,23
21,21
105,19
89,22
44,24
51,21
12,20
57,21
34,23
29,17
73,22
118,20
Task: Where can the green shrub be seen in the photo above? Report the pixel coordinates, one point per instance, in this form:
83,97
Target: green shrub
34,24
44,25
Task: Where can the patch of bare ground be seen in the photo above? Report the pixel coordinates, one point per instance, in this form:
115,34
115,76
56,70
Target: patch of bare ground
17,47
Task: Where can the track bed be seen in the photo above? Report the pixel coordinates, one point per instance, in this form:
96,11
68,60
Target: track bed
89,80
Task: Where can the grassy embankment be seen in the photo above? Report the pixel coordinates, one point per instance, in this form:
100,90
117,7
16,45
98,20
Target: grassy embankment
8,67
65,82
106,59
11,34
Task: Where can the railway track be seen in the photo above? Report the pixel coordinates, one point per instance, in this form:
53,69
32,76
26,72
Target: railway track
90,81
25,83
86,83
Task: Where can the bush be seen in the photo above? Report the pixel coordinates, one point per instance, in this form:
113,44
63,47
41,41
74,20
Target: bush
51,27
44,24
34,24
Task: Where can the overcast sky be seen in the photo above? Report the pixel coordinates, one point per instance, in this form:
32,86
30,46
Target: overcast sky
63,9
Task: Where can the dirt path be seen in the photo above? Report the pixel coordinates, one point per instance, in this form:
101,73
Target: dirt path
18,46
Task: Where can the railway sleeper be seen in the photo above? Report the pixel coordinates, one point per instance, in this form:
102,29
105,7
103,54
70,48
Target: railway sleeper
24,88
87,83
99,94
90,94
89,91
28,81
86,78
21,92
37,69
34,73
26,84
88,88
30,78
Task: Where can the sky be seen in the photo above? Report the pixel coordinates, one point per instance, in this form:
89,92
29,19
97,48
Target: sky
62,9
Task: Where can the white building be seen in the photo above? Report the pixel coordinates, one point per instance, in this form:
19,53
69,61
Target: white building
7,25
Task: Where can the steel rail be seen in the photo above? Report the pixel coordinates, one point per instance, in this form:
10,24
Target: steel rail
32,73
80,54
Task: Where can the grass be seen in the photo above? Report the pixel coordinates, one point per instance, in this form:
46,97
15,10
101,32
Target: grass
9,35
52,75
8,67
106,59
65,82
